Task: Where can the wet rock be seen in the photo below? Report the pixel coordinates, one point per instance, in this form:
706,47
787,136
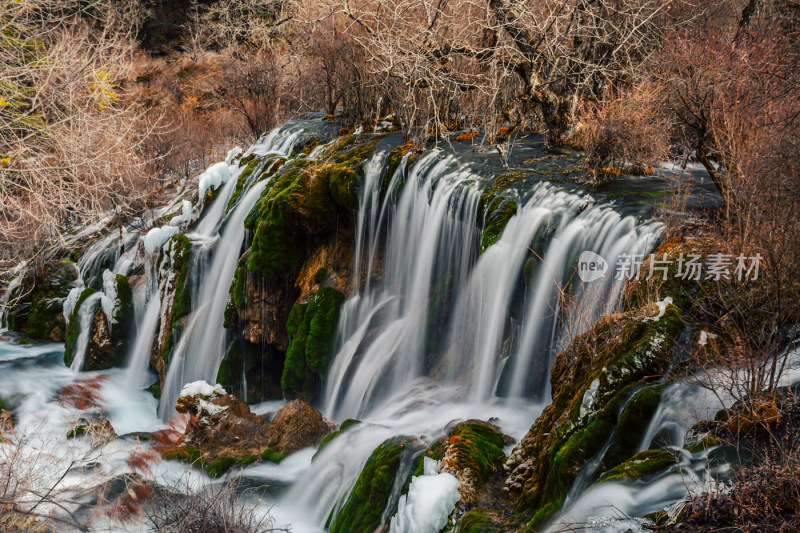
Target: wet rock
175,294
312,331
641,465
36,305
221,431
296,426
474,455
385,476
620,352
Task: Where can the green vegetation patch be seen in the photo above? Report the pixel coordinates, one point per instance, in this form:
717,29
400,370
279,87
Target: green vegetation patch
373,496
312,331
640,465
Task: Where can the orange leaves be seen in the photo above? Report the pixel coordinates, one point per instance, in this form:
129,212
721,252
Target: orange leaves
82,394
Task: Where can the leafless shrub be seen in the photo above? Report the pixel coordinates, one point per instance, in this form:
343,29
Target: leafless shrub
217,508
69,140
629,132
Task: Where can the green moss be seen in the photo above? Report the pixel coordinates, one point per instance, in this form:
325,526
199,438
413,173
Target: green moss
74,329
215,467
256,169
35,307
123,319
372,495
623,351
477,448
632,425
272,456
182,250
640,465
707,442
332,435
178,251
77,431
658,518
304,199
500,212
478,520
312,330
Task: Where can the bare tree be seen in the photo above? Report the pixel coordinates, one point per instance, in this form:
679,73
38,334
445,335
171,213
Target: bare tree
503,61
69,139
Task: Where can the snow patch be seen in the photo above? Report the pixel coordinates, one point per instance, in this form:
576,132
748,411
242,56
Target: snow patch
202,388
210,408
704,336
662,308
109,298
72,299
214,176
156,237
430,500
588,398
233,154
185,216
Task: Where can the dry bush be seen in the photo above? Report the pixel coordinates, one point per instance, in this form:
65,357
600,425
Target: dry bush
629,131
70,142
211,509
482,63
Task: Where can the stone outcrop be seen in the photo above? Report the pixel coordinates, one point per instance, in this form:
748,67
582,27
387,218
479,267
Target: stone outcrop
296,425
222,432
36,304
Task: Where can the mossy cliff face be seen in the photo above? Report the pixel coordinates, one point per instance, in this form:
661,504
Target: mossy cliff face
175,294
592,380
301,205
289,284
312,330
36,305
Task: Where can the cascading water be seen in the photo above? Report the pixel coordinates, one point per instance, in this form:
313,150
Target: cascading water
435,329
85,316
204,336
431,233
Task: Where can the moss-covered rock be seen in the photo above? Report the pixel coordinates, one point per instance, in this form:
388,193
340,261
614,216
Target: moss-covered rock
175,293
641,465
632,424
479,520
123,320
303,201
74,329
327,439
221,433
312,330
474,453
256,168
35,306
373,498
591,382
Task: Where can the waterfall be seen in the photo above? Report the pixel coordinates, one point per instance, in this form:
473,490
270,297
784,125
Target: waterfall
85,317
430,252
12,285
204,337
431,235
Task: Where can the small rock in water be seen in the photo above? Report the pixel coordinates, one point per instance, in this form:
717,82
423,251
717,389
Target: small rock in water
296,426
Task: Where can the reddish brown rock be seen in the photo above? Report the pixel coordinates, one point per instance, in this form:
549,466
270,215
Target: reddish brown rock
297,425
